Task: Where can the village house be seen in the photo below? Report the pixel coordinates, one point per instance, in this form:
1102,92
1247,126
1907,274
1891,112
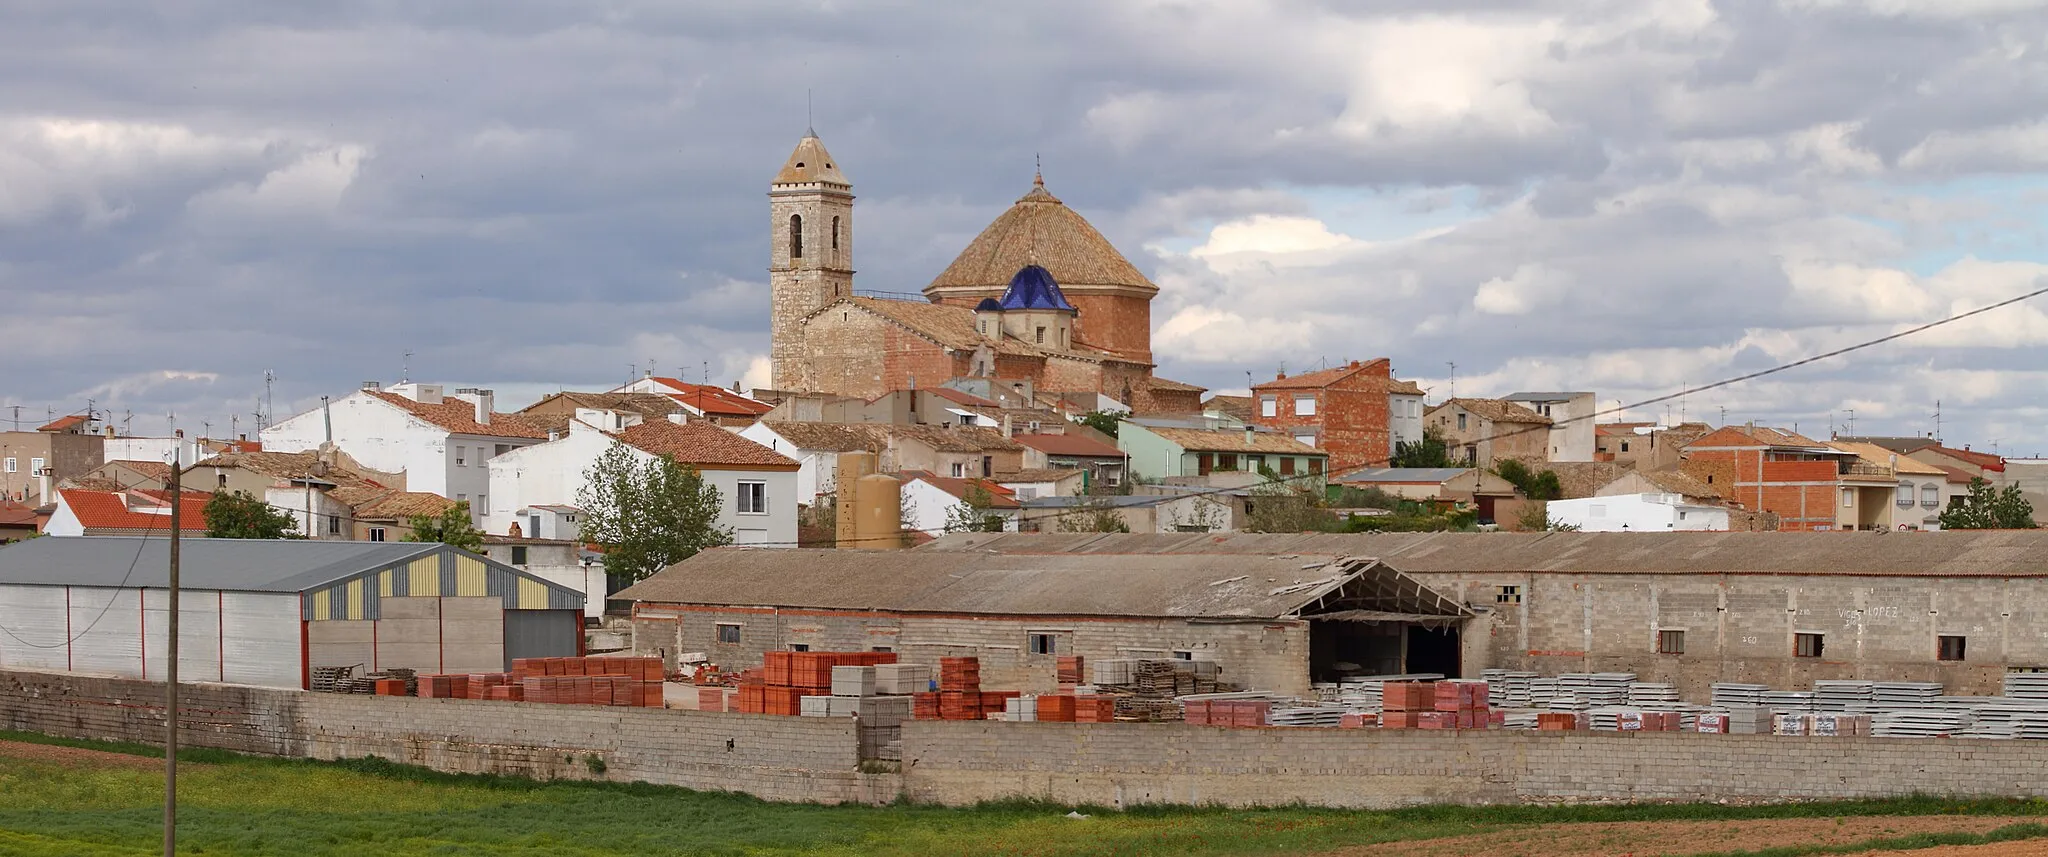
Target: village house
1481,432
130,512
1103,463
1638,513
1571,422
1480,489
32,463
1345,411
1809,485
930,501
1164,452
707,403
959,452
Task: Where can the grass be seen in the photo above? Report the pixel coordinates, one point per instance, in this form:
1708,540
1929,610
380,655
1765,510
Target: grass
237,805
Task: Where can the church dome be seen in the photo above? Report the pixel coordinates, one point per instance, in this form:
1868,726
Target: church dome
1039,231
989,305
1033,288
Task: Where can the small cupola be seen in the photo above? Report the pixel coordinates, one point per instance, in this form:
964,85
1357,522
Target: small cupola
1034,311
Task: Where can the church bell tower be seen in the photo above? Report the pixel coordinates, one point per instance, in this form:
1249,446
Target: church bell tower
810,205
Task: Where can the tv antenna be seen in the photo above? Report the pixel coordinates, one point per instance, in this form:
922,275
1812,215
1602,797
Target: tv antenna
1453,382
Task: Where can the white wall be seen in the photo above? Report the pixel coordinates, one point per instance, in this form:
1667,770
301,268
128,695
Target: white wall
1639,513
930,506
152,449
293,500
64,521
817,471
378,434
233,637
1404,418
552,473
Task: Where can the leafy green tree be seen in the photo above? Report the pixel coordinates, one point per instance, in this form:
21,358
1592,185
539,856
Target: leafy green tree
451,527
1102,421
975,513
1534,485
1430,451
241,515
647,515
1988,508
1280,506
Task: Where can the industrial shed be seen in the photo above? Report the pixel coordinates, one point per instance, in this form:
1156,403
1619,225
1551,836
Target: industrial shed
1778,608
266,612
1271,622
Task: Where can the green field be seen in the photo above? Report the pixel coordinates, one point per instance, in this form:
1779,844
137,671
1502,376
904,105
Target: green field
234,805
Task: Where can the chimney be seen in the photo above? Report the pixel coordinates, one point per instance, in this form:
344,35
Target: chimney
1279,376
109,431
373,386
486,400
1247,435
327,418
178,433
1009,427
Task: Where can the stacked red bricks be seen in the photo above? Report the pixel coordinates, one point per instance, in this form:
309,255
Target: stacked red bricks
785,678
1236,713
595,680
1457,705
1071,672
1403,702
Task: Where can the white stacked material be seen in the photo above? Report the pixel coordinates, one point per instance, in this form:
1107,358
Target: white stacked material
1907,694
1541,690
2010,718
1021,709
1113,670
1518,690
1597,688
903,678
880,711
1327,691
1843,695
829,706
2026,685
1748,720
1643,693
853,681
1738,693
1567,702
1367,693
1919,723
1519,718
1496,687
1789,701
1307,715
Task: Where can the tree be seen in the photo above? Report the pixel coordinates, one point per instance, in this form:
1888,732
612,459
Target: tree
1102,421
1278,506
1535,486
1093,515
451,527
1535,518
1988,508
647,514
240,515
975,513
1430,451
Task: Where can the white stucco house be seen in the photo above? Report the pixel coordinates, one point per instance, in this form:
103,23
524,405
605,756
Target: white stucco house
929,499
442,443
1638,513
537,486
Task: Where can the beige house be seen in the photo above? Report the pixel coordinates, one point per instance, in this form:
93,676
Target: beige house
33,462
1483,431
1480,489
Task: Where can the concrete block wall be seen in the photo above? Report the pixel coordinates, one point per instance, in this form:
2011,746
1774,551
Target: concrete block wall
959,763
811,759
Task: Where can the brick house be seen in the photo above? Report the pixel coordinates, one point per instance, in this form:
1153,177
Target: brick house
1483,431
1342,410
1810,485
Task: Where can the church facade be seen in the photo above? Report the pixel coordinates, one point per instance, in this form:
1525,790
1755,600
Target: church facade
1038,296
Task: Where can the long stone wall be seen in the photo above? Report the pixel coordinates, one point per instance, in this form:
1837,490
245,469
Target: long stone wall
779,758
959,763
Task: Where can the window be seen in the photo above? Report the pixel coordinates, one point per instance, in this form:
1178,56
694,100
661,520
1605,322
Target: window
1041,336
462,498
1461,422
483,505
461,456
1226,461
728,633
796,647
967,419
518,554
1624,446
533,526
1905,494
753,498
7,466
1670,642
1508,595
1315,465
988,466
1269,406
502,449
1304,406
334,525
376,534
1287,465
796,236
1807,645
1848,497
881,648
1948,648
35,467
1305,439
959,470
1930,496
1041,644
835,233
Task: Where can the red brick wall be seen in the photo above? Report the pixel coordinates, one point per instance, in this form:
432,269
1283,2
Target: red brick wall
1350,418
1745,477
1114,323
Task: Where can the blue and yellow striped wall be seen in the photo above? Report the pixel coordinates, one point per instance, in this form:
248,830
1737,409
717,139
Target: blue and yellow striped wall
447,571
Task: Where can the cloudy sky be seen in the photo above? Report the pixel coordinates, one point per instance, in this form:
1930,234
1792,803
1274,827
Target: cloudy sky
1624,196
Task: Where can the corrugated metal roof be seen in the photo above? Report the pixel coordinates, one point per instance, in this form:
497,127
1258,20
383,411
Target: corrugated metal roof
1953,553
248,565
925,581
1435,475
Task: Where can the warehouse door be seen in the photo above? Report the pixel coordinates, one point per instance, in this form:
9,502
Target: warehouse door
1433,650
542,634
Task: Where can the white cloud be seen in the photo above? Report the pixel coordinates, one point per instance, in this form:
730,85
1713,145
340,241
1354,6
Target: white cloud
144,383
1529,288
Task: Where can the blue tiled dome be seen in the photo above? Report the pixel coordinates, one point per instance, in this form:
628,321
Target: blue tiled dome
989,305
1033,288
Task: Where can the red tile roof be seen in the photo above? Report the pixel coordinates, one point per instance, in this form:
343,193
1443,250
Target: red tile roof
1078,445
1981,459
708,399
1321,378
701,445
14,514
63,424
999,496
459,417
1758,436
115,510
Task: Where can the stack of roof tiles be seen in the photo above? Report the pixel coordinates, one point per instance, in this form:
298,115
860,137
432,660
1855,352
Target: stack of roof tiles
785,678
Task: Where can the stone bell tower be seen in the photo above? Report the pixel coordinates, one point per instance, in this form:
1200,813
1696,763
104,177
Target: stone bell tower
810,261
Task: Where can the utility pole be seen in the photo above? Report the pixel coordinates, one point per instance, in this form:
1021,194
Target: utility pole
171,684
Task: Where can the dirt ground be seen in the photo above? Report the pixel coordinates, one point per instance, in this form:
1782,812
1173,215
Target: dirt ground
1649,838
76,757
2026,848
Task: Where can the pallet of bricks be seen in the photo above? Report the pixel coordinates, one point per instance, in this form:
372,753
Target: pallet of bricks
785,678
593,680
960,696
879,695
1435,705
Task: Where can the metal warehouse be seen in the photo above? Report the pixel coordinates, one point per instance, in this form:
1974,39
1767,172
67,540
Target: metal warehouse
266,612
1783,609
1274,622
